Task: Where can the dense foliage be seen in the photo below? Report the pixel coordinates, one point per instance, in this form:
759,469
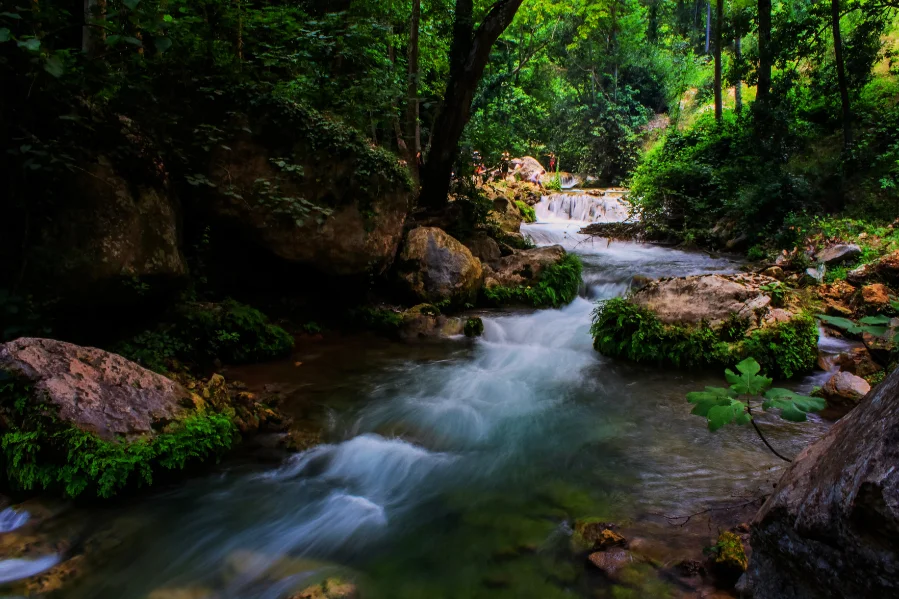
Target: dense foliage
558,285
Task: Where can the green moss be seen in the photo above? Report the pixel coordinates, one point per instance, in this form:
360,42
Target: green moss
202,333
623,330
474,327
40,452
558,285
527,212
729,552
377,319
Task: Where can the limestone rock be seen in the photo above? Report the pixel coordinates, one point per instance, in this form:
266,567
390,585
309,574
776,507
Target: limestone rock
839,253
885,268
845,388
96,391
506,215
831,528
709,298
858,362
527,169
332,588
435,267
522,267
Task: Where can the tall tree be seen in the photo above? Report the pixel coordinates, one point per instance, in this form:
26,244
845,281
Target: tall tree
468,57
765,54
841,73
719,39
413,126
738,83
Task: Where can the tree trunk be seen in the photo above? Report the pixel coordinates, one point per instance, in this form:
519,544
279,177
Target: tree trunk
708,26
413,123
841,74
738,84
764,85
468,59
719,38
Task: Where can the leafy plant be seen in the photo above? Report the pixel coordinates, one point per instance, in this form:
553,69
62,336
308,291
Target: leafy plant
527,212
558,285
734,404
40,452
777,291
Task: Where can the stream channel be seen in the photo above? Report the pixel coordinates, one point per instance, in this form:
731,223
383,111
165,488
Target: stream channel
456,468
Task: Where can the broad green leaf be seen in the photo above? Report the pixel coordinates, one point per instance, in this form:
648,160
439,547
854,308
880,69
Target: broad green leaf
840,323
133,41
131,4
11,15
743,418
875,320
793,414
54,66
749,366
33,44
4,34
162,44
719,416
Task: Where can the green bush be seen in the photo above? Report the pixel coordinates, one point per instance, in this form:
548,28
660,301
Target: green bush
527,212
202,333
40,452
623,330
474,327
558,285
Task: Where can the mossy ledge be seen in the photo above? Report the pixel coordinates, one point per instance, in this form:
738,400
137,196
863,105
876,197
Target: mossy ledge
41,452
623,330
559,285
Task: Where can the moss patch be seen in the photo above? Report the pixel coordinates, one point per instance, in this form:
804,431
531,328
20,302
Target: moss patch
623,330
528,214
474,327
40,452
558,286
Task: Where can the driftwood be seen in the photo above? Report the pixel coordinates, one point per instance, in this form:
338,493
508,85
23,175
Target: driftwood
616,231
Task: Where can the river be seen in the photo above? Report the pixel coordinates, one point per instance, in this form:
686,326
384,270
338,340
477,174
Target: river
454,469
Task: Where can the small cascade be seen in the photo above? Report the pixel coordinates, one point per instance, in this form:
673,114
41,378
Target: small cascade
570,180
606,207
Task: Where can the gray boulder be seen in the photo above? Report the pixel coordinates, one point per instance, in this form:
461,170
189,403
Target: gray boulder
831,528
435,267
837,254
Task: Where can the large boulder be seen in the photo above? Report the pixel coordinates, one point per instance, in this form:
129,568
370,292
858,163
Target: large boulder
705,298
435,268
885,268
309,191
522,267
709,321
527,169
831,527
114,234
94,390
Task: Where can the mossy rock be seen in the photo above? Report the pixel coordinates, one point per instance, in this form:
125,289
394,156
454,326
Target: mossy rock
594,534
783,349
543,278
474,327
84,421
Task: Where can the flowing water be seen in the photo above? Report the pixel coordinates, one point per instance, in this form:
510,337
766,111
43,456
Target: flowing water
456,468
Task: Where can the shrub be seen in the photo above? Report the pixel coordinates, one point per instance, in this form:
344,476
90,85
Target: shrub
558,285
474,327
202,333
623,330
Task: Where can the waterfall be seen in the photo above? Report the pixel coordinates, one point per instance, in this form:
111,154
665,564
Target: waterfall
608,207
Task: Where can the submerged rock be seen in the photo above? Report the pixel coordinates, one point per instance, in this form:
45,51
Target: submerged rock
434,267
611,562
425,321
831,528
